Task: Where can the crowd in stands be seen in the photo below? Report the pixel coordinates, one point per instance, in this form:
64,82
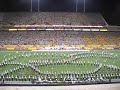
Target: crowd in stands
59,38
52,18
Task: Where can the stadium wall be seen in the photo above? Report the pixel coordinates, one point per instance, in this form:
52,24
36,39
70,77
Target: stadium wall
39,47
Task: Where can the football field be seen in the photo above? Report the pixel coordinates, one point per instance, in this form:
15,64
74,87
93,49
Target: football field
59,65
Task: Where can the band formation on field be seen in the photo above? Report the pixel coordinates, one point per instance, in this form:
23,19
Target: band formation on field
55,66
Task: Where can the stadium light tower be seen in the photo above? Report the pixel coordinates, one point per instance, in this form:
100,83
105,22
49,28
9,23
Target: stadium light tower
31,6
84,6
38,5
76,5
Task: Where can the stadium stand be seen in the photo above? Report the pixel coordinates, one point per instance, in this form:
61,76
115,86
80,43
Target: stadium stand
52,18
61,39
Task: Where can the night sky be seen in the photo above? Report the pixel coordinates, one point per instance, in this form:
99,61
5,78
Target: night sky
109,8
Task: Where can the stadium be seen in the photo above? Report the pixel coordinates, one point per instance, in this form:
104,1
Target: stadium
57,46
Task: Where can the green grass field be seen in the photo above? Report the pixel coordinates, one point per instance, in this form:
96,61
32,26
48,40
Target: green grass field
59,64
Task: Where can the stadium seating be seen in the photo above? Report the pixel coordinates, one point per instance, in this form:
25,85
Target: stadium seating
51,18
41,39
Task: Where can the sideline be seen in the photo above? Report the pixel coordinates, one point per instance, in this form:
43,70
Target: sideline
77,87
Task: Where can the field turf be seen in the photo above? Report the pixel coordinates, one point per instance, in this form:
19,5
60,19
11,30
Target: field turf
59,64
